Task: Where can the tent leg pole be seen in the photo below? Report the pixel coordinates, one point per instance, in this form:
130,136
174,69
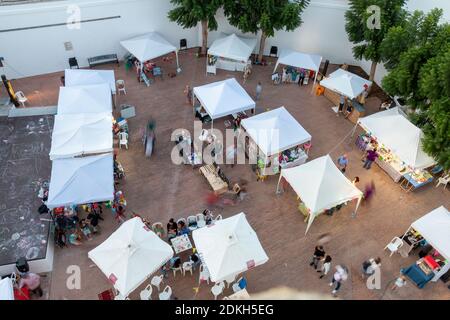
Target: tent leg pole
278,185
178,63
354,130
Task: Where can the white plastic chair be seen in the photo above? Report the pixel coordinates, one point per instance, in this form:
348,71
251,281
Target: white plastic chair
217,289
230,280
166,294
192,223
187,266
201,222
121,86
204,274
21,97
394,245
204,135
218,217
444,181
157,280
175,270
146,294
123,140
182,219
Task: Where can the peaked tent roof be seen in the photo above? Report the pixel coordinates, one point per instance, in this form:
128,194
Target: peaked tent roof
82,77
223,98
229,247
299,59
85,99
397,133
275,131
80,134
148,46
81,180
233,47
320,185
130,255
346,83
435,228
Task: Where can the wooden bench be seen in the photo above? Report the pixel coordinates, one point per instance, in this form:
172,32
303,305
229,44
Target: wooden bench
108,58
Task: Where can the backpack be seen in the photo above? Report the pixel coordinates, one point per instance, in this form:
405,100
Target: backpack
366,264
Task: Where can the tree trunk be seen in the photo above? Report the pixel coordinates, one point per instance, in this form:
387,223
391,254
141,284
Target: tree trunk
373,69
262,44
204,37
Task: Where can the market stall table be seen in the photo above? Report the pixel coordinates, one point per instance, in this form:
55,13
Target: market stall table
181,243
413,180
215,181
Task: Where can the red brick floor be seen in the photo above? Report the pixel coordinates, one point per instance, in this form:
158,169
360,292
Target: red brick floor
159,190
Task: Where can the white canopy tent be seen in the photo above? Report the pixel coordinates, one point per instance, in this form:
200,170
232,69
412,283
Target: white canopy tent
81,180
321,186
275,131
397,133
149,46
346,83
6,289
223,98
434,227
229,247
81,134
83,77
130,255
85,99
302,60
233,47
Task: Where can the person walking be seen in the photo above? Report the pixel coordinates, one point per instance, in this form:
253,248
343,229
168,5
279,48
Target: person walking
370,157
343,162
339,277
369,192
258,90
318,255
326,266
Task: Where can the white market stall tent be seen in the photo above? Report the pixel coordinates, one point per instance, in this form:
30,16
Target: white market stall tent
230,52
346,83
321,186
275,131
78,181
85,99
81,134
228,247
131,255
83,77
6,289
396,132
223,98
149,46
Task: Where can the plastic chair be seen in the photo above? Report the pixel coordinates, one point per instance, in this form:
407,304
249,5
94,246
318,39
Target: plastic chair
183,44
182,220
21,97
230,280
204,274
187,266
201,222
166,294
444,181
121,86
192,223
218,217
157,280
240,284
217,289
123,140
157,72
146,294
393,246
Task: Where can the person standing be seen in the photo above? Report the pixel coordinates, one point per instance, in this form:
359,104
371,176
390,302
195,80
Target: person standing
301,78
341,104
318,255
355,181
370,157
258,90
343,162
188,93
339,277
326,266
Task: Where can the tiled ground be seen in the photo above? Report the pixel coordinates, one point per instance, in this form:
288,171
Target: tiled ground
159,190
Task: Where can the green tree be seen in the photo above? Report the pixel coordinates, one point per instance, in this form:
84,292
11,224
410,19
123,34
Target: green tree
188,13
420,73
266,16
367,23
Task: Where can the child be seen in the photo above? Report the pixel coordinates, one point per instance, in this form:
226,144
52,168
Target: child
84,226
399,282
326,266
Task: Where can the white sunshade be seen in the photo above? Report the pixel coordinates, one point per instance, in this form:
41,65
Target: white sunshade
229,247
224,98
397,133
346,83
81,180
83,77
130,255
233,47
81,134
6,289
85,99
435,228
275,131
320,185
148,46
299,60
